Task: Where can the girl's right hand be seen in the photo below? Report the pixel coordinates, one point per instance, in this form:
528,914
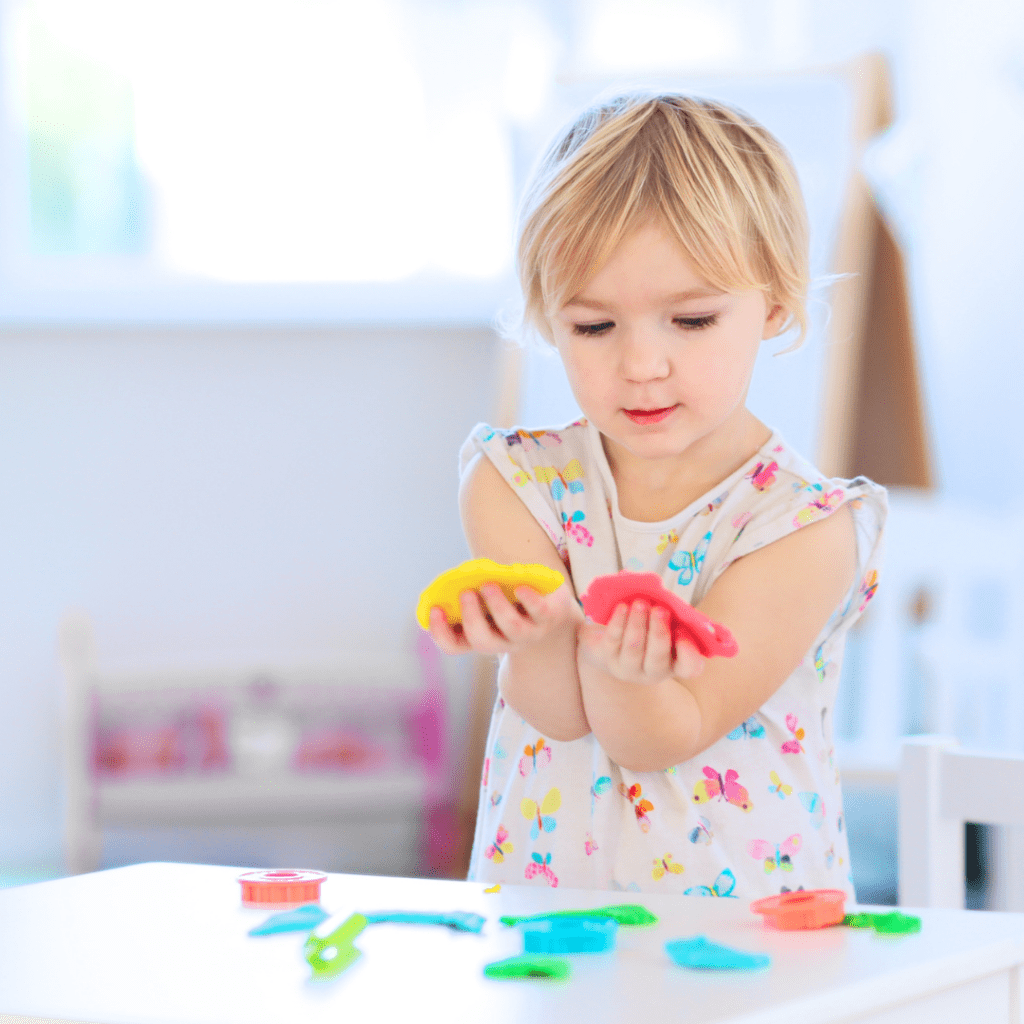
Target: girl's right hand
495,625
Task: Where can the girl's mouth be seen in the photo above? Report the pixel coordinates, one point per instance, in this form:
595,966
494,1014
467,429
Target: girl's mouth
646,416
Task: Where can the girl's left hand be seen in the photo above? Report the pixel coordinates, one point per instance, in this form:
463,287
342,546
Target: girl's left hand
636,646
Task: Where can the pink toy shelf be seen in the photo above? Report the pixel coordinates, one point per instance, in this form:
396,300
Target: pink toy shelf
299,743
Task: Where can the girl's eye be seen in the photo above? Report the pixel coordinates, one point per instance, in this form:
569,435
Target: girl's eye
697,323
592,329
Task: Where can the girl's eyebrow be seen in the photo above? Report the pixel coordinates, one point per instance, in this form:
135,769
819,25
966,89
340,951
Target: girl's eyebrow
691,293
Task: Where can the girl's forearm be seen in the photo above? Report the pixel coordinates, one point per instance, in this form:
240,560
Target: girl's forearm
542,684
642,727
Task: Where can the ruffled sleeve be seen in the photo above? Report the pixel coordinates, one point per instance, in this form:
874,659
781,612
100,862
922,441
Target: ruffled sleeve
787,494
524,459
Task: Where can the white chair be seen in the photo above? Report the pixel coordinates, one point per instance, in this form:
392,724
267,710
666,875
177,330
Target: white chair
941,787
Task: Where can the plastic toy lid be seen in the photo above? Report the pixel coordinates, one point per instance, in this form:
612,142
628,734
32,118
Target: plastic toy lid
793,911
606,592
281,886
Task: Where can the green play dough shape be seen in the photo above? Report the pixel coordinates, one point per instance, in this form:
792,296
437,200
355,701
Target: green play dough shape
332,953
893,923
460,920
701,953
325,969
625,913
516,968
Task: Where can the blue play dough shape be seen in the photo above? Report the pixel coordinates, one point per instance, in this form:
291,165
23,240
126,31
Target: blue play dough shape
560,935
302,919
460,920
702,953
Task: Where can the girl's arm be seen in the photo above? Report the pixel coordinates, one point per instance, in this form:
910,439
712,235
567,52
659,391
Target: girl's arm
537,675
775,601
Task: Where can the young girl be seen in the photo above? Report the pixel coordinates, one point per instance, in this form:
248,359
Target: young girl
663,239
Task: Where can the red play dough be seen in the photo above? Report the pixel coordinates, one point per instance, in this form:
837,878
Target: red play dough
687,623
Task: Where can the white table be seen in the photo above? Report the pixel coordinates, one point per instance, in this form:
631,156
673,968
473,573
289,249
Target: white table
168,943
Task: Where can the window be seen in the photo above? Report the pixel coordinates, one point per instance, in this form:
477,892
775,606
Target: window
275,160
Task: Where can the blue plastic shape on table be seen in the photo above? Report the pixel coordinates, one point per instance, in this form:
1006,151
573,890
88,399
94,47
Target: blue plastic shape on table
301,919
460,920
558,936
701,953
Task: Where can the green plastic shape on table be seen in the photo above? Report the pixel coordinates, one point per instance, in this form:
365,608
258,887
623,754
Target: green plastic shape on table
459,920
700,952
329,949
517,968
893,923
625,913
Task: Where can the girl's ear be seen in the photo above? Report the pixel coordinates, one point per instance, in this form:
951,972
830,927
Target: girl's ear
773,324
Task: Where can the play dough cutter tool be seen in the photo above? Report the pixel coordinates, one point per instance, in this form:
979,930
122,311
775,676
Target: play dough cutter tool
280,888
560,935
795,911
329,948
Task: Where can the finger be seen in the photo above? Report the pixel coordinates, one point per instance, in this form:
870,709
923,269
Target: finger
447,636
478,624
617,623
634,639
688,661
503,613
658,656
530,603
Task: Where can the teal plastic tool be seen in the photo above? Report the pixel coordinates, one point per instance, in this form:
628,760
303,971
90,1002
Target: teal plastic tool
701,953
301,919
558,936
459,920
329,949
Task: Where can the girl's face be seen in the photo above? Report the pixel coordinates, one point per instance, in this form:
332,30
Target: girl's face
649,333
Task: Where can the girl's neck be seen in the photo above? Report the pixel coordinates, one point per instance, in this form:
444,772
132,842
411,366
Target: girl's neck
652,491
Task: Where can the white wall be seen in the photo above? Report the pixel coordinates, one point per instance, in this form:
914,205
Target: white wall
215,495
198,491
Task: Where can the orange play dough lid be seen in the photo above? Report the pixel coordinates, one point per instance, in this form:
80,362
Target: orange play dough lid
471,575
795,911
280,887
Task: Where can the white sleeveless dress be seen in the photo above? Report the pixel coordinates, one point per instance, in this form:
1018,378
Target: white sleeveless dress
761,810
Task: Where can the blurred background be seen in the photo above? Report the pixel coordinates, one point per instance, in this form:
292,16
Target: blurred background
251,257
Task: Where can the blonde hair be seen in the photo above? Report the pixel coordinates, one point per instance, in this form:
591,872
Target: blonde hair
720,183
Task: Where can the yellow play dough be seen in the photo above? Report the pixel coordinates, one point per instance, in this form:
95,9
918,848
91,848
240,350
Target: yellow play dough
471,575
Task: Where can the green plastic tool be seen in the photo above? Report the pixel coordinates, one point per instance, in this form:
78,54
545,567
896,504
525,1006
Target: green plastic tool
516,968
625,913
893,923
329,949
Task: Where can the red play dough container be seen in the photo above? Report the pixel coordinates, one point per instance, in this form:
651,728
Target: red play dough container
280,887
796,911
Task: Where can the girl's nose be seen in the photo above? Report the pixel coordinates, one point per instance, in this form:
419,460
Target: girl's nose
643,356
